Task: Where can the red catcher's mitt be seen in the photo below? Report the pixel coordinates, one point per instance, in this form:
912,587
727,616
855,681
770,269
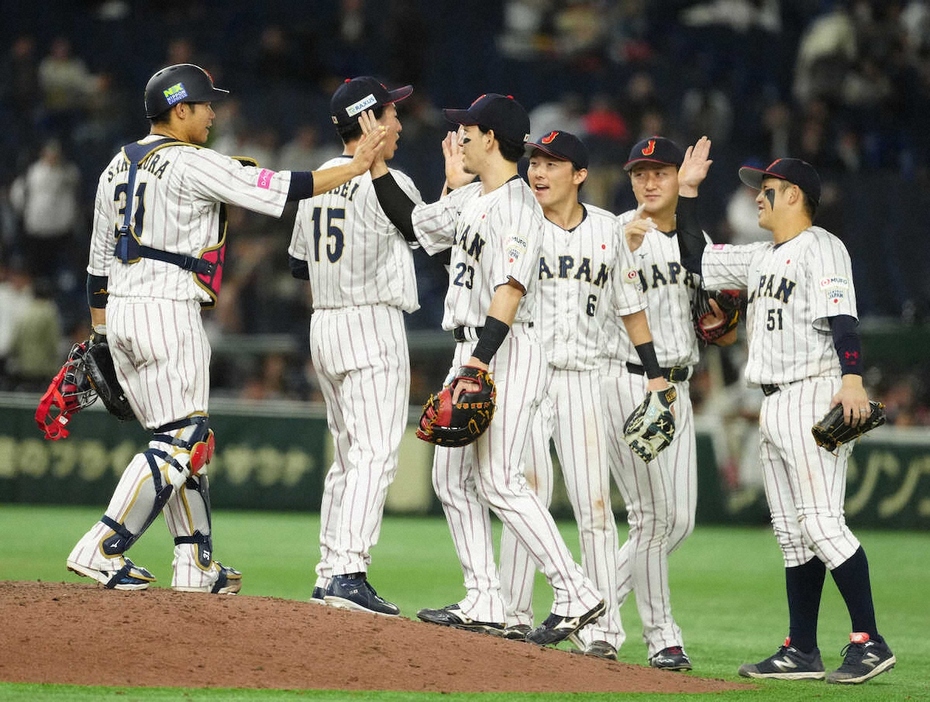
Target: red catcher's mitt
447,424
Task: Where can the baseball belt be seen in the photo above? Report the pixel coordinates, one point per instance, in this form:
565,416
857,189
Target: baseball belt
675,374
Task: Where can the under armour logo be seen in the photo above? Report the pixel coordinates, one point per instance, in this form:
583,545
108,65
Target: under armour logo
550,137
649,148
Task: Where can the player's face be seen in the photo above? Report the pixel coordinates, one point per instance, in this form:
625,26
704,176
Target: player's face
472,141
655,187
769,200
554,182
199,121
390,120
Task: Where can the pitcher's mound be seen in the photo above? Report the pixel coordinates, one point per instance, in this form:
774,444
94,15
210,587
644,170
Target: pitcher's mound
85,635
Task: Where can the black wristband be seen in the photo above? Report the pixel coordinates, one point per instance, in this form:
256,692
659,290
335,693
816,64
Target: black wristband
492,336
647,356
301,186
97,291
690,236
396,204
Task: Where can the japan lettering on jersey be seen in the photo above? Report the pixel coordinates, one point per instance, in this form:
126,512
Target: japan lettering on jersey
355,255
578,288
669,289
793,288
493,237
179,191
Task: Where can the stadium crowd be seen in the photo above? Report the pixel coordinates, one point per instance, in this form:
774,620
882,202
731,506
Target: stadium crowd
843,84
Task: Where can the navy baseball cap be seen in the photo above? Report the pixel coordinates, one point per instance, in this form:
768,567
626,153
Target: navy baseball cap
655,149
794,170
564,146
356,95
501,113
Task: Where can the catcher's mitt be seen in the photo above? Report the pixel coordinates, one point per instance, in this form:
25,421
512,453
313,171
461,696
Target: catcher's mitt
707,325
459,424
98,364
651,426
832,432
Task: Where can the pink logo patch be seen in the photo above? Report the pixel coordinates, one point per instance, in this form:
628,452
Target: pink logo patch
264,178
717,247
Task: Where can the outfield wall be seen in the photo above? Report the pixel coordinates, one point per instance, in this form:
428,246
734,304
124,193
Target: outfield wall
274,456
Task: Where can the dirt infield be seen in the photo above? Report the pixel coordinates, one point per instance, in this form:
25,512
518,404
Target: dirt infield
85,635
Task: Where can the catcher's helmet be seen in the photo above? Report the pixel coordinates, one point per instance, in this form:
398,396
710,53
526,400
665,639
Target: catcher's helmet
183,82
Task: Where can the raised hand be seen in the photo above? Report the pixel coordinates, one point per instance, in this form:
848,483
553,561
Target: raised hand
694,168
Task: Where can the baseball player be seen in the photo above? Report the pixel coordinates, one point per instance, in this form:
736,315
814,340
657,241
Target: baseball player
156,258
805,354
492,229
580,281
660,497
362,280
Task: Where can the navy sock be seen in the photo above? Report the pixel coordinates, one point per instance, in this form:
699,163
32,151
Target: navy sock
805,586
852,580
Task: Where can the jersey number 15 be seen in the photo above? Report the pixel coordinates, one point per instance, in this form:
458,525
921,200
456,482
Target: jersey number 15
334,234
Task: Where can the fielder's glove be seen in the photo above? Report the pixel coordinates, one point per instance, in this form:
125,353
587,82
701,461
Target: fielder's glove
707,325
651,426
832,432
98,365
447,424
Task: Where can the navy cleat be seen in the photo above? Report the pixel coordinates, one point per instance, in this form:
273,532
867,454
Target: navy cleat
353,591
863,660
788,663
125,575
557,628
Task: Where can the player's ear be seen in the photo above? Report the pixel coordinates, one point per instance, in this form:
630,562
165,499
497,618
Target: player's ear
580,176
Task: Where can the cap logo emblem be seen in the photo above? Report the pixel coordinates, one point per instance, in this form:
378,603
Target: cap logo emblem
649,148
550,137
363,104
176,93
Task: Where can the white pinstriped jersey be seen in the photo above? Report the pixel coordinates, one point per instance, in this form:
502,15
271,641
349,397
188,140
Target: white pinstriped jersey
176,207
669,289
494,238
793,288
579,285
355,255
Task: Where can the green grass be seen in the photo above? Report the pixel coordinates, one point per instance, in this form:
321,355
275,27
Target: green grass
727,591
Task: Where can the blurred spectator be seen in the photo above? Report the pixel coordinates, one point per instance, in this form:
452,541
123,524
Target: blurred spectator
65,83
15,297
20,90
408,38
304,151
566,113
827,49
35,353
742,215
46,199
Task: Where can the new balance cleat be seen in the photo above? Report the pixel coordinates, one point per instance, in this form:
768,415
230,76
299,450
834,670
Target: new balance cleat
671,658
123,574
863,660
788,663
353,591
516,632
451,615
557,628
318,596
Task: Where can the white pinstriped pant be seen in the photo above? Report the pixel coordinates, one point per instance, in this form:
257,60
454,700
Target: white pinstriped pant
362,361
488,475
575,421
661,500
805,485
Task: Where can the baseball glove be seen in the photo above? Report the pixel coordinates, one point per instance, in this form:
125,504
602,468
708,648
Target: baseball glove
831,432
651,426
707,325
98,365
447,424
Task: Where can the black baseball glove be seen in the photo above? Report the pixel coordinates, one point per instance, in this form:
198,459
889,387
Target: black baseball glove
459,424
832,432
98,365
708,325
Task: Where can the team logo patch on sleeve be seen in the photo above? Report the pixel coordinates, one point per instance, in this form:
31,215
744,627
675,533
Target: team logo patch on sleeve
264,178
630,276
516,247
834,287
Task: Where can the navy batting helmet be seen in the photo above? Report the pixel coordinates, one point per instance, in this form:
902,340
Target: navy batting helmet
183,82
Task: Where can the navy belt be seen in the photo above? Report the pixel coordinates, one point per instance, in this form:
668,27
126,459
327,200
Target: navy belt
675,374
461,333
768,389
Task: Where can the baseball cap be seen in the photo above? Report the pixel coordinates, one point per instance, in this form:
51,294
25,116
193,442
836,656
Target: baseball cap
655,149
564,146
794,170
501,113
356,95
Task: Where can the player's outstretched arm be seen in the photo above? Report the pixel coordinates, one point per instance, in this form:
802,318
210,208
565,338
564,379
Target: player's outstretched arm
368,148
637,328
694,168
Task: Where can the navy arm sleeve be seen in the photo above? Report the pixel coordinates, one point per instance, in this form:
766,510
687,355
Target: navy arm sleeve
301,186
847,343
690,236
396,204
